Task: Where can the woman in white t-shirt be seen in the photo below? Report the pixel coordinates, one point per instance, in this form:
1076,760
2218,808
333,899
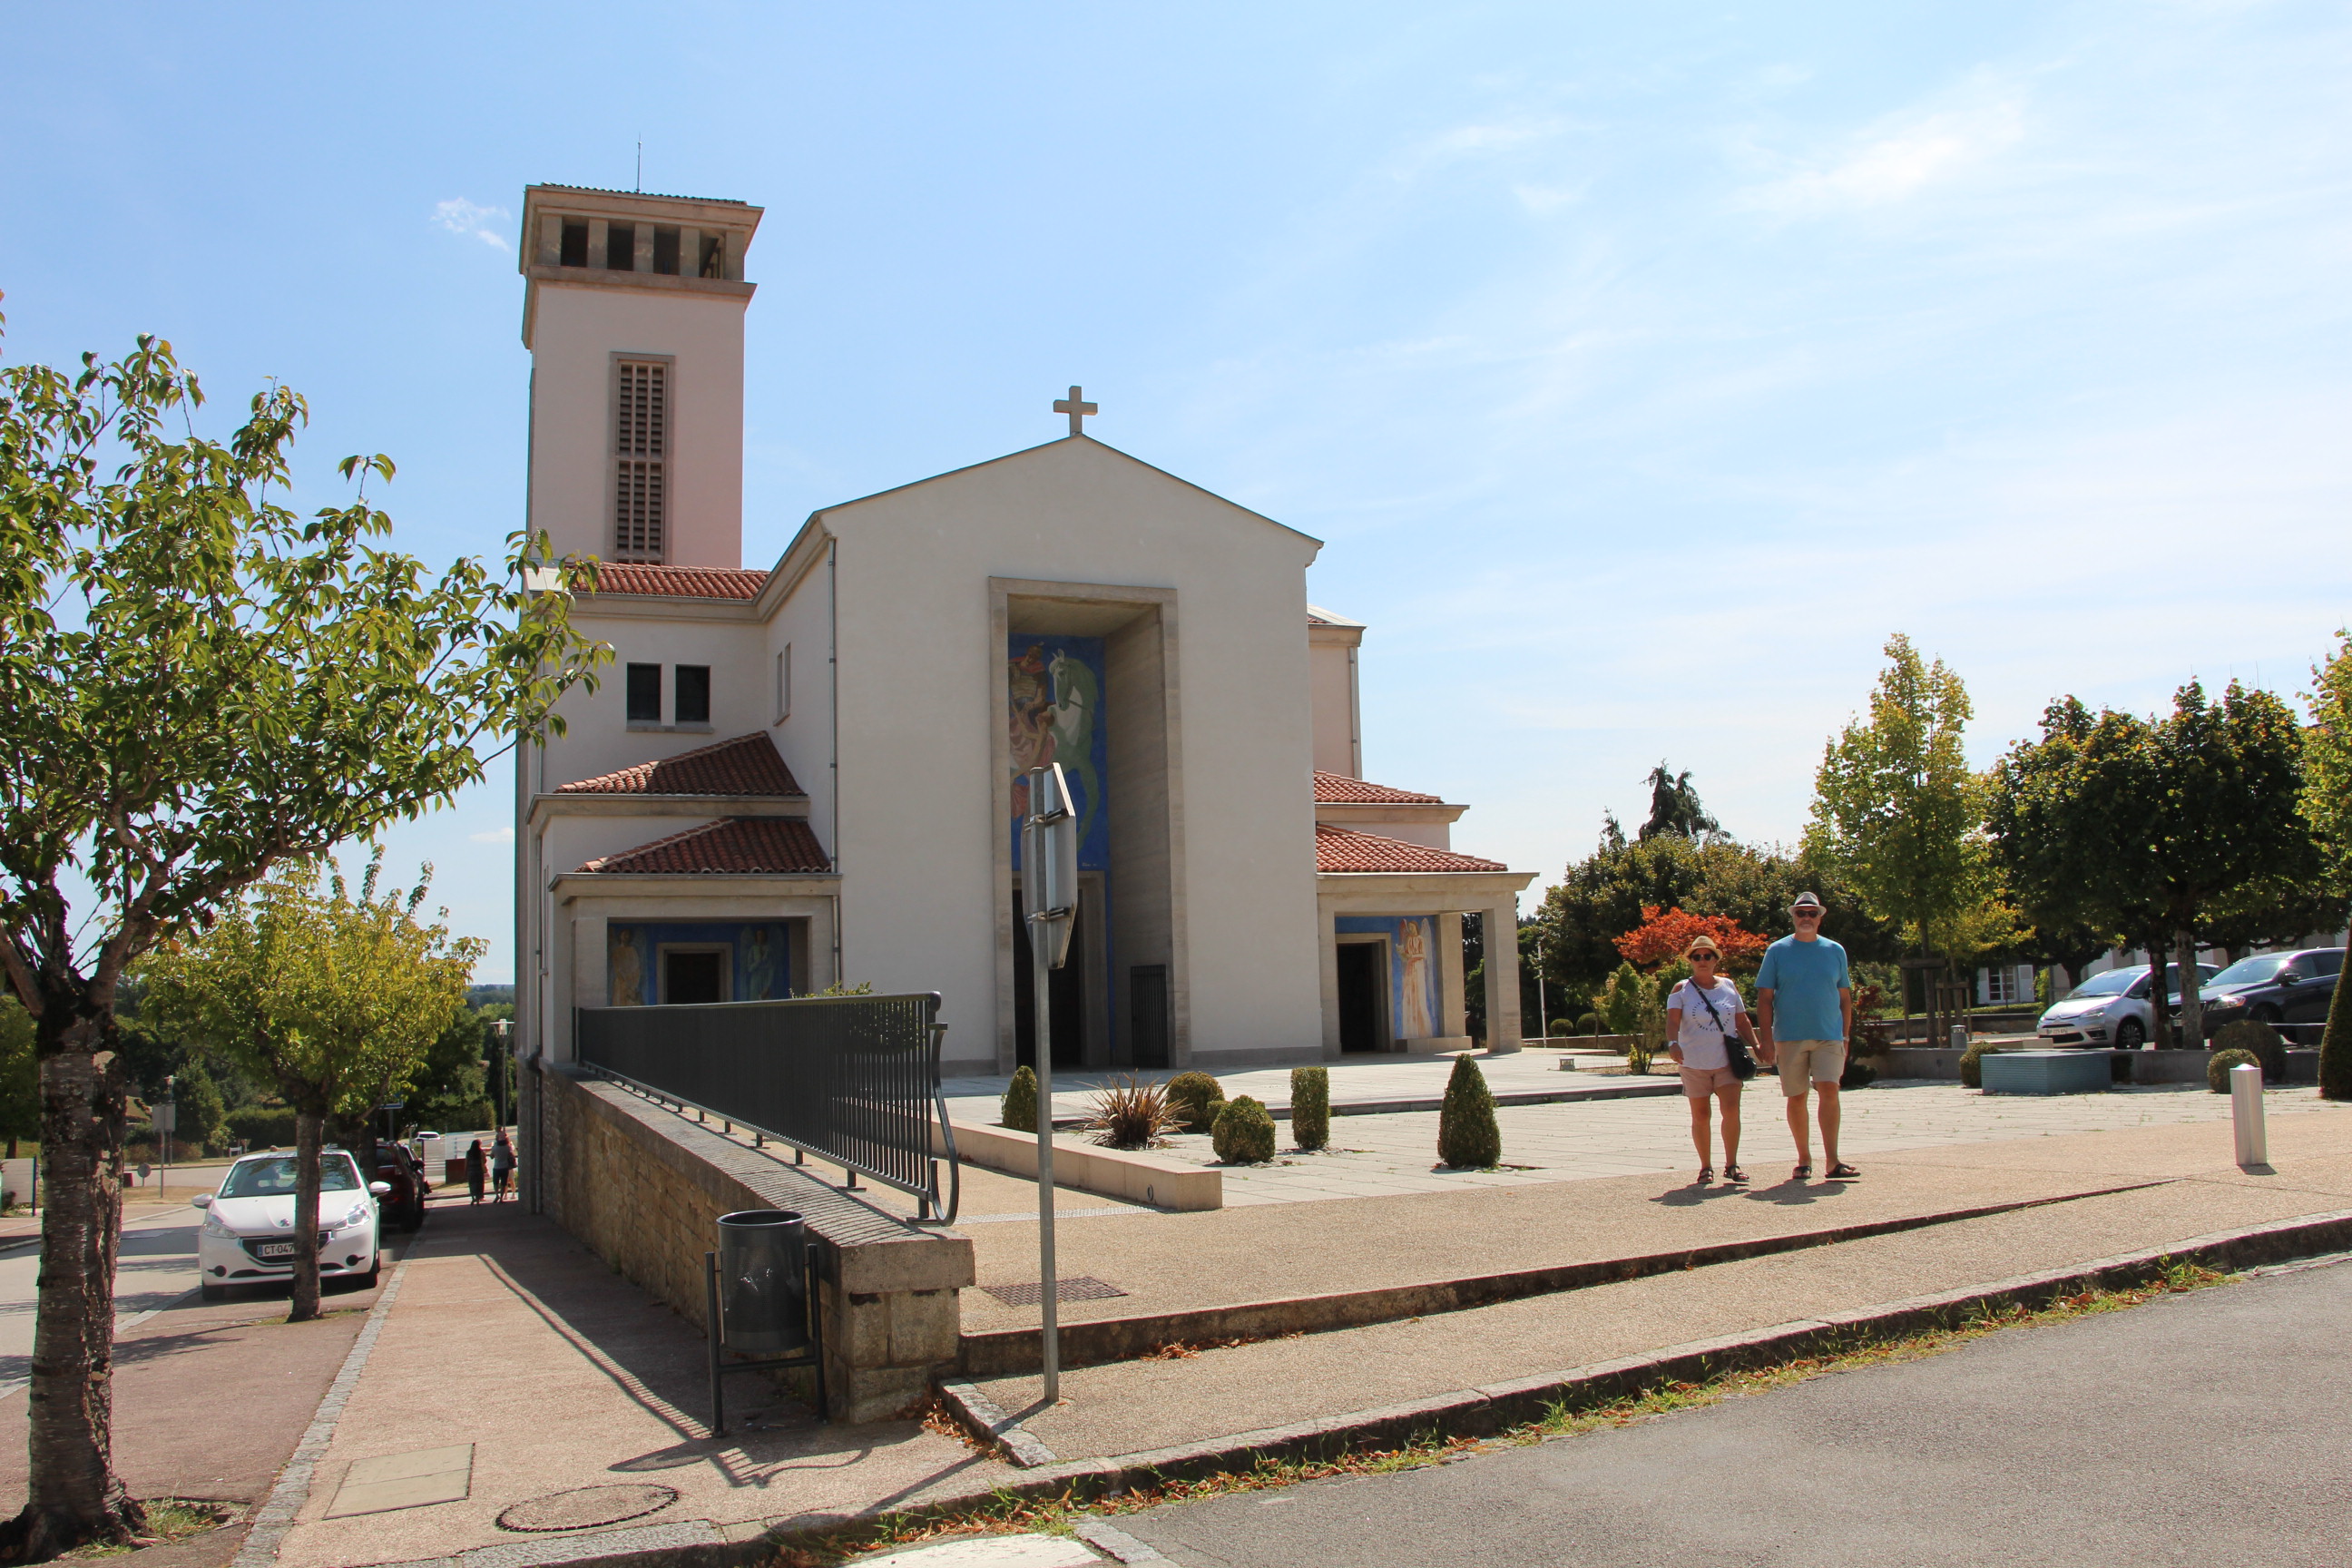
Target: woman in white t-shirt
1702,1014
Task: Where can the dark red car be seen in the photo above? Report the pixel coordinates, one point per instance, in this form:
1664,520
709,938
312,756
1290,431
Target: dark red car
404,1207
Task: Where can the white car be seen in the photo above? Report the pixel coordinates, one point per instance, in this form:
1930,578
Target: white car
247,1237
2111,1009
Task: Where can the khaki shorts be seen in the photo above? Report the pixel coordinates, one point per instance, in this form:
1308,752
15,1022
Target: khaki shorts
1700,1082
1807,1062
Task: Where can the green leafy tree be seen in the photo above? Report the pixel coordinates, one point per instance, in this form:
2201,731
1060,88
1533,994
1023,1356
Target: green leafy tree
20,1075
336,1000
1674,807
1896,808
195,685
2327,806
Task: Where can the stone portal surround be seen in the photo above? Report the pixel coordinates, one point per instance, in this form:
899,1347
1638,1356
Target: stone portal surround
644,1188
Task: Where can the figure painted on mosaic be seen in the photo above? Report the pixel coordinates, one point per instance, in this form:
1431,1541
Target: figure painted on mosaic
1418,991
1077,702
1030,716
628,968
759,966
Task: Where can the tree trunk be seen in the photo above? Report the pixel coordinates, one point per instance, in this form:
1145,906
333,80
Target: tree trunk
308,1129
2335,1045
2160,1036
2192,1006
72,1495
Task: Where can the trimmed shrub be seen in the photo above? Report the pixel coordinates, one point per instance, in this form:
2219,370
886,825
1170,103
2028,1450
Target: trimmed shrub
1244,1133
1972,1065
1588,1022
1858,1073
1310,1107
2335,1047
1018,1111
1195,1099
1468,1137
1561,1028
1131,1114
2258,1040
2218,1066
262,1126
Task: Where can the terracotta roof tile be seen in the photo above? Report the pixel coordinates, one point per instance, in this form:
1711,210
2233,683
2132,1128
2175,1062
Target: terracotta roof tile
678,582
748,764
735,845
1341,849
1339,789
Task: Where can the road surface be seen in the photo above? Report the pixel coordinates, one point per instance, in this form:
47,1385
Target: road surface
2204,1427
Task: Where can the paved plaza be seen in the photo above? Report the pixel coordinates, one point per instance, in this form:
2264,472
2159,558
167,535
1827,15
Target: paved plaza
1386,1155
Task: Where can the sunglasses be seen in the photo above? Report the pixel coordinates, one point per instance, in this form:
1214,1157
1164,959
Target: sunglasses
1806,914
1707,955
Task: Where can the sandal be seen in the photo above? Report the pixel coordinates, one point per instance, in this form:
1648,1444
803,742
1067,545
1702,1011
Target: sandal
1734,1176
1802,1173
1706,1175
1842,1171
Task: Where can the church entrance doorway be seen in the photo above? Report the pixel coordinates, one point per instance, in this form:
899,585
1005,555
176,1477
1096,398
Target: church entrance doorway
1364,997
1065,990
692,975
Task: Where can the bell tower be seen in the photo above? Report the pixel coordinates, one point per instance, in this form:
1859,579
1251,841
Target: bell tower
633,311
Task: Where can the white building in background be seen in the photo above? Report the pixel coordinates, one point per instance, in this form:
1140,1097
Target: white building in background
808,773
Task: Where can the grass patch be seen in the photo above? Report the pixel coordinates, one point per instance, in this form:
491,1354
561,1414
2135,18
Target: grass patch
168,1520
1006,1513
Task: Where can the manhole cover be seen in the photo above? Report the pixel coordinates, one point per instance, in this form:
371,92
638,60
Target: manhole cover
586,1507
1081,1289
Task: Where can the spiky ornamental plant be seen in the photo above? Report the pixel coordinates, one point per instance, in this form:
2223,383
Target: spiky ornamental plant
1467,1136
1310,1107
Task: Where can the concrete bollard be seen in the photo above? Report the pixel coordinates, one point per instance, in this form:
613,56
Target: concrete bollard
2246,1112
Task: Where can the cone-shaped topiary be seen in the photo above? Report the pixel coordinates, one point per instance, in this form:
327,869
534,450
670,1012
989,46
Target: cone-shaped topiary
1195,1097
1310,1107
2218,1066
1018,1111
1244,1133
1466,1133
2258,1040
1972,1065
2335,1047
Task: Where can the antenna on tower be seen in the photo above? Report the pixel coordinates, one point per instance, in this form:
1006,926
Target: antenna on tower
641,165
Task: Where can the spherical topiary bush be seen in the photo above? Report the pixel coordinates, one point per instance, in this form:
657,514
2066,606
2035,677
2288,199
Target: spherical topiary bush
1244,1133
1972,1066
1310,1107
1195,1099
1018,1111
2218,1066
1588,1022
1561,1028
1466,1133
2258,1040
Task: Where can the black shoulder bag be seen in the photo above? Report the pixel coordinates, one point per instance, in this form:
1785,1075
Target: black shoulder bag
1743,1062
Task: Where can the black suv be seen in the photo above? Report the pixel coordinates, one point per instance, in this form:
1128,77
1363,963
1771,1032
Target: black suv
2274,988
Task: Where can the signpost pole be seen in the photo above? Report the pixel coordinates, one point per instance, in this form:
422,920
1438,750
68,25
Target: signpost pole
1049,881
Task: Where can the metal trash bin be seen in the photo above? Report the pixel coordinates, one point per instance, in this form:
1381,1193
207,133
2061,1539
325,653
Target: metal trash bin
763,1271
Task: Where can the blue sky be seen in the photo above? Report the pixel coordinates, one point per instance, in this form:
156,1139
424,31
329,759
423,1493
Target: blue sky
1642,367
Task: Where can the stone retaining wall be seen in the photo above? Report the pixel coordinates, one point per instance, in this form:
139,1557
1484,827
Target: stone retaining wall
645,1186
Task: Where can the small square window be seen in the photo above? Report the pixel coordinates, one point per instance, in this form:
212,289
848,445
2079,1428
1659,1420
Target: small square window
621,247
666,251
645,693
691,702
574,252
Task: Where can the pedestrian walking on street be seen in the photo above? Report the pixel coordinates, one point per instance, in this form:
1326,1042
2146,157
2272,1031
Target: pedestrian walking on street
502,1164
477,1169
1804,1012
1711,1036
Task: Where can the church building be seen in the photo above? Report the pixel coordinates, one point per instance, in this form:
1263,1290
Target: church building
808,773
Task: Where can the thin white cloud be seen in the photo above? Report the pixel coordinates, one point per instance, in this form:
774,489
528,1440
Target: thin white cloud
495,835
459,215
1894,159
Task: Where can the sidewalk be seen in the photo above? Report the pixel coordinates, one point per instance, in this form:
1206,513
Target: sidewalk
513,1367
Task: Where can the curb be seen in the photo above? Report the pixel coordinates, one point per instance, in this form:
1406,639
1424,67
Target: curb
1470,1412
1095,1342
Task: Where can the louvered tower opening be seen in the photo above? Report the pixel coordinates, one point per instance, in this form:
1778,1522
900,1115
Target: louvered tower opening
641,442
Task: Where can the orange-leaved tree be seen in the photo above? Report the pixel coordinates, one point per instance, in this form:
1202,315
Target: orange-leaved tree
1663,936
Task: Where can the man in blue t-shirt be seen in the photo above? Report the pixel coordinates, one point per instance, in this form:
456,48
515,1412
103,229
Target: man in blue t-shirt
1805,1011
